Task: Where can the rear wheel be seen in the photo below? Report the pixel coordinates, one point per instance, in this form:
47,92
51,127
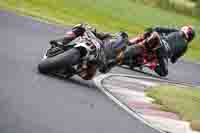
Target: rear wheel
66,59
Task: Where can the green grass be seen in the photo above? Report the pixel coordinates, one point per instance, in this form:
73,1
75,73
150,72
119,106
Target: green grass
184,101
108,15
186,7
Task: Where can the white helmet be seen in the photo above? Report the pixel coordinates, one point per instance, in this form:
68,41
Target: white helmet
188,32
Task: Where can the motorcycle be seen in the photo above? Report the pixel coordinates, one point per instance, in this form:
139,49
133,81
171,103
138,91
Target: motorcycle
71,59
145,59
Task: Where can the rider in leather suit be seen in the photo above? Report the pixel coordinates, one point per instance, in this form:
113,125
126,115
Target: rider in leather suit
173,44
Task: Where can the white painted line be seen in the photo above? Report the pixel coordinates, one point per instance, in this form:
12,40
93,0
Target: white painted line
133,94
152,78
145,83
133,113
136,99
152,121
128,92
115,87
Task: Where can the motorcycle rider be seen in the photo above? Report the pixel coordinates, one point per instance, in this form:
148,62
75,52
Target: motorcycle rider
112,48
168,43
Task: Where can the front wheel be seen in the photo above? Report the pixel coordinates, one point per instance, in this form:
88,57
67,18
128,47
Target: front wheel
66,59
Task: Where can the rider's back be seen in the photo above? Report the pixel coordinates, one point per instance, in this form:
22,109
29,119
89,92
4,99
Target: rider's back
177,43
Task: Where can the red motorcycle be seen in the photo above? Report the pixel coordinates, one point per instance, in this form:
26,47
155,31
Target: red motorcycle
143,58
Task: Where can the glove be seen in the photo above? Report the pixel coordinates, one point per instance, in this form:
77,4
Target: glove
56,42
123,34
148,32
53,42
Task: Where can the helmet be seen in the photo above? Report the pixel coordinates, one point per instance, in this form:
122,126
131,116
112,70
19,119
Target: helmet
188,32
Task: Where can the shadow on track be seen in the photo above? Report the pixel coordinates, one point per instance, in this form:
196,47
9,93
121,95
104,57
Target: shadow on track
74,80
158,77
145,73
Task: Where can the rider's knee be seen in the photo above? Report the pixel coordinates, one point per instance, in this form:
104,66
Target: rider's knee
161,72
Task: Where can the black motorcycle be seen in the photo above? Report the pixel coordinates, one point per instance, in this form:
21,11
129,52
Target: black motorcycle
68,60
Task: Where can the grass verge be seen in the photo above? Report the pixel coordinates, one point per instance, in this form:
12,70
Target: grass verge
184,101
126,15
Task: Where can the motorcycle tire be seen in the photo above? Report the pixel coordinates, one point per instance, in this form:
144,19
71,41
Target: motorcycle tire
68,58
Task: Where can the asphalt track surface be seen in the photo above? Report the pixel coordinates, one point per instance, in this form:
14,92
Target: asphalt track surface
34,103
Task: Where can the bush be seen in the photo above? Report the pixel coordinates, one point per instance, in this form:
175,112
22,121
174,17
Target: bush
186,8
165,4
197,9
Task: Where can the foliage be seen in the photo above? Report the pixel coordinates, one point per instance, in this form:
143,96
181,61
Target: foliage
184,101
122,15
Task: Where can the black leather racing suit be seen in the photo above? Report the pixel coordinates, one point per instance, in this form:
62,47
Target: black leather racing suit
173,46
